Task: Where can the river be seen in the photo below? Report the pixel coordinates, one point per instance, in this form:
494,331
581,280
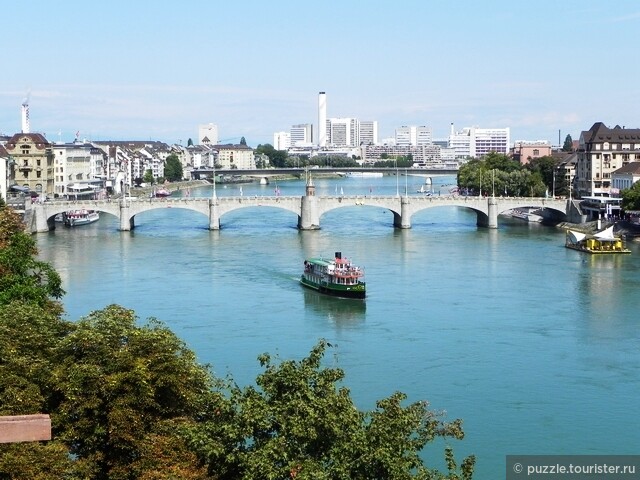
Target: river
533,345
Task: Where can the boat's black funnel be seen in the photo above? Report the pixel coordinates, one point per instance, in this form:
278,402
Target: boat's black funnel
338,254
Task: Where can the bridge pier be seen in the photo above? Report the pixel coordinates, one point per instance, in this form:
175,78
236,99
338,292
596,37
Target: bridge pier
492,209
404,219
309,218
214,216
126,223
42,223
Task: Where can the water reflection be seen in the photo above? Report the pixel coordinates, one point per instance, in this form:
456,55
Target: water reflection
339,311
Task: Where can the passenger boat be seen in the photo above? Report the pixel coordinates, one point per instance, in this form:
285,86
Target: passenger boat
604,242
336,276
74,218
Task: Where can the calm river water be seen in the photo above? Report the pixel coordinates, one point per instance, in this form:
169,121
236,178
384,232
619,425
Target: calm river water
534,345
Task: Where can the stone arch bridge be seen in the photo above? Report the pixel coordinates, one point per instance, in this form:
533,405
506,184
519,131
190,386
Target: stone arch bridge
309,209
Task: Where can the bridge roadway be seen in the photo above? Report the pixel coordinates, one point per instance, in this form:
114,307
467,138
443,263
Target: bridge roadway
309,209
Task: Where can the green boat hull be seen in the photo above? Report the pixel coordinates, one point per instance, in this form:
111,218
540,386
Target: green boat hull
345,291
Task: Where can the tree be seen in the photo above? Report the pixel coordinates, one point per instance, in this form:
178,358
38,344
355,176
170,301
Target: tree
122,387
546,168
148,177
243,141
277,158
568,144
22,276
298,423
631,197
173,168
189,143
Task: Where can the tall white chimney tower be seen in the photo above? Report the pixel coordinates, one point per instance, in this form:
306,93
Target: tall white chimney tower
322,120
25,116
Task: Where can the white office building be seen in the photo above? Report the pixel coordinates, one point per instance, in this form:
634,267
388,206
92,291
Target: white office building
342,132
368,132
477,142
282,140
413,136
301,134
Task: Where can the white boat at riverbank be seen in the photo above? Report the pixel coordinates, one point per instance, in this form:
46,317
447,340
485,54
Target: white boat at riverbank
75,218
527,214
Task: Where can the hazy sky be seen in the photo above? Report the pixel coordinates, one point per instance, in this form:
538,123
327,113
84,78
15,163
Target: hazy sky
157,69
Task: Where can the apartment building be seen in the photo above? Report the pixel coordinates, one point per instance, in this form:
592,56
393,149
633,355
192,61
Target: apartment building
77,165
32,163
236,156
524,151
601,151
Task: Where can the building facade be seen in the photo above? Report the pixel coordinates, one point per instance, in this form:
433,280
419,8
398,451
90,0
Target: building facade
602,151
78,165
282,140
301,134
33,162
625,177
413,136
524,151
368,132
477,142
236,156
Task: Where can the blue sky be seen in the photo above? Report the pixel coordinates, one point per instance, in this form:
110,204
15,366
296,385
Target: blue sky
156,70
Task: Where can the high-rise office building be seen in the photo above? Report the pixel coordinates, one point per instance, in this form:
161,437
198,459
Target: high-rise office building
477,142
368,132
413,136
281,140
301,134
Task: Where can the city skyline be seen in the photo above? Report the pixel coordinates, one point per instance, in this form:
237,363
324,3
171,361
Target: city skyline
131,71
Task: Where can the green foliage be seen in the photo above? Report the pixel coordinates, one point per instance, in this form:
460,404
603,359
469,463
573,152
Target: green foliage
29,334
22,276
299,423
189,143
631,197
173,168
333,161
148,177
277,158
243,141
568,144
497,174
117,382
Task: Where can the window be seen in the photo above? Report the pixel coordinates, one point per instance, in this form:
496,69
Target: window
536,152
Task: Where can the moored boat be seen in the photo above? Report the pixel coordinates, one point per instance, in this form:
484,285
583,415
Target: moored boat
528,214
336,276
74,218
161,193
604,242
